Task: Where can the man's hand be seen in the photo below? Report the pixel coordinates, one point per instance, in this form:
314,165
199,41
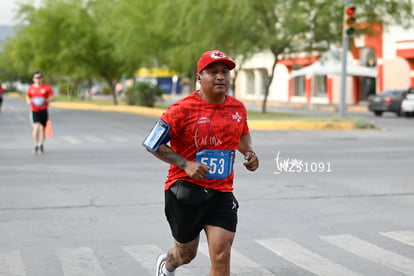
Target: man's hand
251,161
50,99
196,170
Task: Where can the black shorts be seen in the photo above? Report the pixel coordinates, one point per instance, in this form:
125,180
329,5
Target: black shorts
187,221
40,116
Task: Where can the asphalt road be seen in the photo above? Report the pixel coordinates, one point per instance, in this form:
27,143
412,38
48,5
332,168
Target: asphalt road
322,202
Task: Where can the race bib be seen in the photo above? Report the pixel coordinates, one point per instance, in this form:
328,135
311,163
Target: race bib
38,101
220,162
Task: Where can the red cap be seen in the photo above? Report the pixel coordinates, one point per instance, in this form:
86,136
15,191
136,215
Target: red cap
214,56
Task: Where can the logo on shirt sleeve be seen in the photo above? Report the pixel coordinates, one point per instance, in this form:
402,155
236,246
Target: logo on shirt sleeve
237,117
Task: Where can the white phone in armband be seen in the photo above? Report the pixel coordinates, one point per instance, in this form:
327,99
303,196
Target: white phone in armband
157,136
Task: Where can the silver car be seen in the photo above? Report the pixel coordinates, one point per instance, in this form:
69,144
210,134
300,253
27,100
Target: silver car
407,105
387,101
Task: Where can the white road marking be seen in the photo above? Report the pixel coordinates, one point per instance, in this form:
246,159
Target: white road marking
79,262
147,255
372,253
11,264
305,258
70,139
406,237
240,264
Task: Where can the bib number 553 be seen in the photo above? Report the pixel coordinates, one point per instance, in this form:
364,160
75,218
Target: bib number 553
220,162
216,165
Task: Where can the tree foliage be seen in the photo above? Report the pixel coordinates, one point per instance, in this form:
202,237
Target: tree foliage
66,38
106,39
284,27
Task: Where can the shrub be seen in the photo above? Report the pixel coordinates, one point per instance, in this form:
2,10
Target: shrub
68,89
143,93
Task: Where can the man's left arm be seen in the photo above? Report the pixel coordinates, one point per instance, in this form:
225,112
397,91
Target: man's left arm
51,96
245,147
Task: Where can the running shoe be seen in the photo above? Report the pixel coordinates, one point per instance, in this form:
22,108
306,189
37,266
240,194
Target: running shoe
41,149
161,261
36,150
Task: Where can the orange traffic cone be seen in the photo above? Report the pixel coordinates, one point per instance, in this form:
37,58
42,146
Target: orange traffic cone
48,129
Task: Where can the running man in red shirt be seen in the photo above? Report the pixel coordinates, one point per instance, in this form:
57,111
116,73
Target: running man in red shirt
38,97
1,95
204,131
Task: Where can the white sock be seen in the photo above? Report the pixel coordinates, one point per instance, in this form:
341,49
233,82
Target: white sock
167,272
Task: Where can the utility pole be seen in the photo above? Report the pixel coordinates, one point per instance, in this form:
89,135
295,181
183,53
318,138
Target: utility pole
345,46
348,30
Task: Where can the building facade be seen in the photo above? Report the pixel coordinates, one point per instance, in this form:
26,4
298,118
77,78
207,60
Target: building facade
382,60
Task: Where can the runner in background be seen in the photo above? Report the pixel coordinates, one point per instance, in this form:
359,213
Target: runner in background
38,97
1,95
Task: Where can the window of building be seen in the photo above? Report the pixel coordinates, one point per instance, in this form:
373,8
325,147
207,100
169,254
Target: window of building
250,82
319,86
298,86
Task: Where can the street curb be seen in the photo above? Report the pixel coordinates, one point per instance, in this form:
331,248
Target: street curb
140,110
299,125
313,106
253,124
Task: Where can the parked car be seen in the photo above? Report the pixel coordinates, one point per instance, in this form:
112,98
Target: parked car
387,101
407,105
96,90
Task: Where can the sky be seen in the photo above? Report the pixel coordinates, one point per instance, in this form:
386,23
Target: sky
8,9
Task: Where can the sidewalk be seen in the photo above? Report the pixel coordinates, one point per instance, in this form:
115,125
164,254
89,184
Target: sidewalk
305,107
253,124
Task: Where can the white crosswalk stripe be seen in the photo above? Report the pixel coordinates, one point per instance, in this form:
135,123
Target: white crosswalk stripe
11,264
116,139
305,258
83,262
240,264
70,139
93,138
372,253
406,237
146,256
79,262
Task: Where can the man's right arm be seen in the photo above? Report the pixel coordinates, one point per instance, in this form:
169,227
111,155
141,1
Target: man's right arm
28,98
195,170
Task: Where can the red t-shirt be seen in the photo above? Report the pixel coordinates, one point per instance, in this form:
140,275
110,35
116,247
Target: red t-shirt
198,125
39,95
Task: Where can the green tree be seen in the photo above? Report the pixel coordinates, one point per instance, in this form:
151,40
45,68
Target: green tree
244,27
106,39
6,72
69,38
190,28
283,27
135,31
